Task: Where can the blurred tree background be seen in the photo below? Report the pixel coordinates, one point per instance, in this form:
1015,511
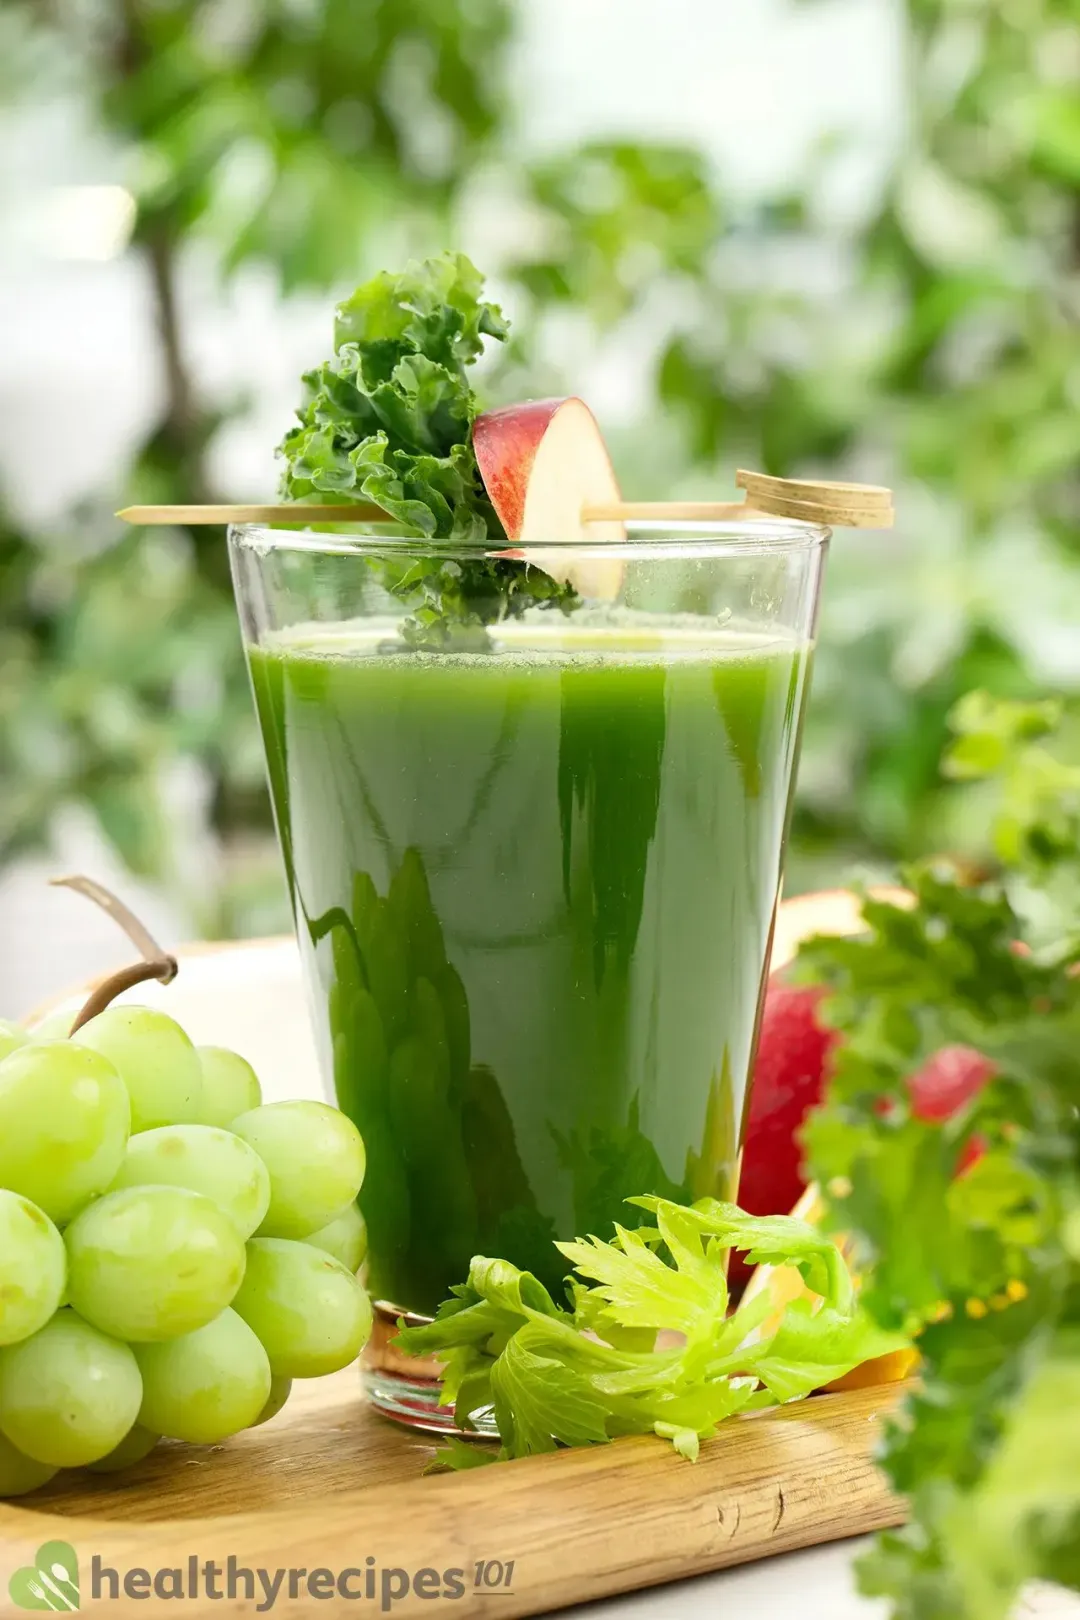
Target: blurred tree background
930,341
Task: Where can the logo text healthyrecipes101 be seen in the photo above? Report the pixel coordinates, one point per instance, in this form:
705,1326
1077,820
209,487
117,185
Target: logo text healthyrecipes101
52,1582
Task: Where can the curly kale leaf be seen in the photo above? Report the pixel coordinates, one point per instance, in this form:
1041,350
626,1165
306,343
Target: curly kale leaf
388,419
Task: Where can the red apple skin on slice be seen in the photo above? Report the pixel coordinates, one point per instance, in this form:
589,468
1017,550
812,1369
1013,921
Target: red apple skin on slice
543,462
506,442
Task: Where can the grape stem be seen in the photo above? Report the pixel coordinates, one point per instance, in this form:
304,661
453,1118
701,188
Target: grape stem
155,964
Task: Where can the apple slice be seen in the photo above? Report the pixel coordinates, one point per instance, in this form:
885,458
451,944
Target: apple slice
543,462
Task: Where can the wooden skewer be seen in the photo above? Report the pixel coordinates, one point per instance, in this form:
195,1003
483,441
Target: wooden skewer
828,514
833,516
299,512
850,506
666,511
855,506
819,489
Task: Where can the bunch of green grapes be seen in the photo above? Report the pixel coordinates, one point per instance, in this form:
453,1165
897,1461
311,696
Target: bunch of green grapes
173,1252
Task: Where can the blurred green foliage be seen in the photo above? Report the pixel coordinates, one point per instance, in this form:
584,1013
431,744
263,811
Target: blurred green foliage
928,338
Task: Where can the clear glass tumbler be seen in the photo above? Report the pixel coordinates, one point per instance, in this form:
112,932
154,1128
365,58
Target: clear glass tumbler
534,859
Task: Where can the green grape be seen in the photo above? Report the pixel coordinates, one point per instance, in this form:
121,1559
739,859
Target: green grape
280,1390
33,1268
156,1061
19,1473
64,1122
56,1026
68,1394
136,1444
150,1263
205,1159
311,1314
345,1238
230,1085
207,1385
315,1157
11,1036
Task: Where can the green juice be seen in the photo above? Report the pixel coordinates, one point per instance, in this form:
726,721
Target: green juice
534,889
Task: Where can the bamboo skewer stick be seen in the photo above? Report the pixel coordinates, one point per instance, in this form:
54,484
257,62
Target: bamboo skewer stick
283,512
817,490
856,506
667,511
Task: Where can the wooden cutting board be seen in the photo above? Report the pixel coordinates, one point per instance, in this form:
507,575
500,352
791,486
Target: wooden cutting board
328,1486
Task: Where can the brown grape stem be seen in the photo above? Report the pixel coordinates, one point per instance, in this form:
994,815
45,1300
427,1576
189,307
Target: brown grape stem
155,964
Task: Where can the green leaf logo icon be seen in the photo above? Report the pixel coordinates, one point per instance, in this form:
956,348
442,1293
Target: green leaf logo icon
51,1582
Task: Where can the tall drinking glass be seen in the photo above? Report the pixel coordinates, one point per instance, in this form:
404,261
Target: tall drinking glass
533,873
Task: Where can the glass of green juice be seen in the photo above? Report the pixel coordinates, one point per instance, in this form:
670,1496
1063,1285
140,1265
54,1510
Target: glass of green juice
534,871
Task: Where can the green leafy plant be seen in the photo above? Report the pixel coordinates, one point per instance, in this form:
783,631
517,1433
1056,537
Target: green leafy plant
583,1375
982,1261
925,340
390,418
923,335
275,136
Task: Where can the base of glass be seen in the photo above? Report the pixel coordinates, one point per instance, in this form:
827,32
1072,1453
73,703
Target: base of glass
409,1388
417,1403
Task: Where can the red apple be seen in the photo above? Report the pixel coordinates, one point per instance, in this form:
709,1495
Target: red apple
789,1080
793,1054
542,463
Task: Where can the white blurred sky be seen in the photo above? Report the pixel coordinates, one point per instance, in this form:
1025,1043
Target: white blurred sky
753,82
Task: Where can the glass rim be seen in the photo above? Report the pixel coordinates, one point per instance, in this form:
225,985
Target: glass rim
646,539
